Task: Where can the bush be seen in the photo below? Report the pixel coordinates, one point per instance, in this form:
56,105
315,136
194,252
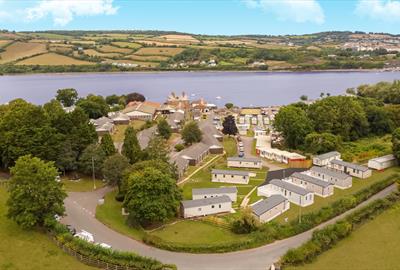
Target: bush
179,147
246,223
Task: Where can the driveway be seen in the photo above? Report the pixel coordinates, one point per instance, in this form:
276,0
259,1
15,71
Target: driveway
248,145
80,210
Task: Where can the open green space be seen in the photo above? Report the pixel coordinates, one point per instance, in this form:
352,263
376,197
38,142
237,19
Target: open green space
375,245
319,202
84,184
29,250
230,146
119,134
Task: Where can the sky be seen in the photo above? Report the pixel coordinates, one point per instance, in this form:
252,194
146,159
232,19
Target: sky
216,17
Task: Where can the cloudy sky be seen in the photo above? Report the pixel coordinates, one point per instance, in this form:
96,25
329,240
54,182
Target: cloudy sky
204,16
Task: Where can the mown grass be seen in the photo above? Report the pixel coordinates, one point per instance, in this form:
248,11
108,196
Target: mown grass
30,250
119,134
83,185
375,245
230,146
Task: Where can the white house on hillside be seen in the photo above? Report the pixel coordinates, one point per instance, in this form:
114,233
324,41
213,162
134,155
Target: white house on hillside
233,177
204,207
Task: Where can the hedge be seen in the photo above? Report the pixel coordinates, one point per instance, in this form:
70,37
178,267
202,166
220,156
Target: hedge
273,231
326,238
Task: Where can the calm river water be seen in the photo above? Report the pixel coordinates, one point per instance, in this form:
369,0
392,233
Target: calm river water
241,88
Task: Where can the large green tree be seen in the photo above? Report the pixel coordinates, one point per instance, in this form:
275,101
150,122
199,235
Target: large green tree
67,96
113,169
191,133
379,119
396,143
164,129
93,157
35,196
131,148
152,197
321,143
94,106
157,149
107,145
229,126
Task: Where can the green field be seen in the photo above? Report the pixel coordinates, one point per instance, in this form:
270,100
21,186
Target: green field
30,250
230,146
375,245
84,184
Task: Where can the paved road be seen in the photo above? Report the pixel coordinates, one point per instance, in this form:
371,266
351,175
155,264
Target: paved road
81,207
248,145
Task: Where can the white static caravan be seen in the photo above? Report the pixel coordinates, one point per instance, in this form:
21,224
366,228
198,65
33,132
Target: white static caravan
279,155
295,194
204,207
232,177
238,162
325,159
381,163
318,186
269,208
351,168
338,178
204,193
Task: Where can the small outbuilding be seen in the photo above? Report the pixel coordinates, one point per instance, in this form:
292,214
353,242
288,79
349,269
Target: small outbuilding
233,177
204,207
269,208
204,193
318,186
324,159
339,179
238,162
356,170
381,163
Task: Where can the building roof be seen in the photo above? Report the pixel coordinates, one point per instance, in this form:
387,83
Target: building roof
242,159
230,172
252,111
350,165
100,121
328,155
145,135
194,151
330,172
147,107
210,133
281,174
289,186
310,179
384,158
220,190
206,201
265,205
120,117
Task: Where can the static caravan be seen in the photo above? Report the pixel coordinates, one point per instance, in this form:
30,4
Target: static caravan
204,207
238,162
269,208
204,193
338,178
351,168
232,177
318,186
324,159
381,163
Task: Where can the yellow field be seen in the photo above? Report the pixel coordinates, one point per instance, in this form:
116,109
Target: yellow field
20,50
130,45
52,59
92,52
155,58
4,42
159,51
112,49
57,48
179,38
156,43
89,42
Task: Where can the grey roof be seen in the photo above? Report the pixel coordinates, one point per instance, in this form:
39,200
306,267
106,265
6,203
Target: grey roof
384,158
290,187
100,121
210,132
327,155
221,190
205,202
334,173
350,165
244,159
310,179
194,151
145,135
230,172
265,205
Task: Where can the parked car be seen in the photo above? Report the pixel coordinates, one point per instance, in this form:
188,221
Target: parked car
241,148
104,245
240,143
241,154
84,235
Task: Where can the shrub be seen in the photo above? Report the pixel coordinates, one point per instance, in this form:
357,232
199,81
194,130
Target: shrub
246,223
179,147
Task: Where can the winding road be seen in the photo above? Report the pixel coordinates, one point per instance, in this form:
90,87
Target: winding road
81,207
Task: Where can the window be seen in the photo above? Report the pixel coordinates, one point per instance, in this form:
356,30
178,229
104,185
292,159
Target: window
212,206
244,177
219,206
223,176
199,209
205,197
232,176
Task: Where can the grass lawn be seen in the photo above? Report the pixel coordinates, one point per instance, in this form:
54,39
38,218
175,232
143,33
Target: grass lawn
375,245
119,133
193,232
320,202
30,250
83,185
230,146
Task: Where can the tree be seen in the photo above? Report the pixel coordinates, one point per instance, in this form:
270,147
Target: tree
113,169
294,125
191,133
152,197
321,143
107,145
92,156
131,148
134,97
246,223
67,96
229,126
229,105
379,120
112,99
396,143
35,196
164,129
157,149
94,106
303,98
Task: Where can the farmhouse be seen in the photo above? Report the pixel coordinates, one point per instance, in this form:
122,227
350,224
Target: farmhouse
267,209
203,193
318,186
238,162
324,159
204,207
292,192
381,163
350,168
233,177
338,178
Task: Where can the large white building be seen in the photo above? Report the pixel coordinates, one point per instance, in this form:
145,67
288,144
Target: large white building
339,179
269,208
238,162
204,193
204,207
233,177
381,163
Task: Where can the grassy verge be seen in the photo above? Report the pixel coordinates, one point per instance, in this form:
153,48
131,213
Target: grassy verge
230,146
83,185
30,250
